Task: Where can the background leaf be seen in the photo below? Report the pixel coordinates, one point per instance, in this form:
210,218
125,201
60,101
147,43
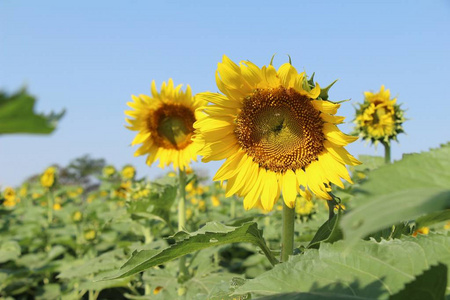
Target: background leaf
17,115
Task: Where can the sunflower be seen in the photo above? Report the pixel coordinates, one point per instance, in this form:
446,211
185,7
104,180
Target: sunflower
164,123
379,118
277,133
48,177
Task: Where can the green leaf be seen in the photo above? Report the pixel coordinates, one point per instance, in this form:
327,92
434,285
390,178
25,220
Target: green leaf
9,250
433,218
212,234
329,232
17,115
429,285
402,191
367,270
369,162
82,269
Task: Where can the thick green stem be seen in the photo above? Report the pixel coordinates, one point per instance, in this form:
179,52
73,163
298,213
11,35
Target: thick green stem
287,238
387,152
182,217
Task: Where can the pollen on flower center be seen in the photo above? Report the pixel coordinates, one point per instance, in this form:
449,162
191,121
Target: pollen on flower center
171,126
280,129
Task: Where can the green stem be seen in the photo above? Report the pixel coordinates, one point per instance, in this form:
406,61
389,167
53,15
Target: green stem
182,217
49,208
287,238
387,152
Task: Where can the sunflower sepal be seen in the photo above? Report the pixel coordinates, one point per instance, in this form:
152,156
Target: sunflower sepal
324,91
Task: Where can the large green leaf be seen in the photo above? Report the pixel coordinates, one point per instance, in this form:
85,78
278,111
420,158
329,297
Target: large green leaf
405,190
329,232
212,234
367,270
17,115
429,285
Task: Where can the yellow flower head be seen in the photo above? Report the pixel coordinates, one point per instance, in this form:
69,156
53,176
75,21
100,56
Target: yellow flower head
77,216
90,235
276,131
164,122
9,194
128,172
215,201
10,197
48,177
379,118
201,205
56,206
422,230
109,171
304,207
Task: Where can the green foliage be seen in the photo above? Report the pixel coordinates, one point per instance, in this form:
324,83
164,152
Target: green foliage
212,234
402,191
17,115
116,240
368,270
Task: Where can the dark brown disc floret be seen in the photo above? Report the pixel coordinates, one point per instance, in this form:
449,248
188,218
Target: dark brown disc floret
280,129
171,126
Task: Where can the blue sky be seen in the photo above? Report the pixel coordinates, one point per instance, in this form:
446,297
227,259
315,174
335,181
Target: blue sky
89,57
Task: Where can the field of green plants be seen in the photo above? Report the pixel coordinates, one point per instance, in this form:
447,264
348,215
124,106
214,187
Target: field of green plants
91,230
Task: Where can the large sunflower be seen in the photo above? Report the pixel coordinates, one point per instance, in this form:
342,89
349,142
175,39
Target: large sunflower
164,122
379,118
276,133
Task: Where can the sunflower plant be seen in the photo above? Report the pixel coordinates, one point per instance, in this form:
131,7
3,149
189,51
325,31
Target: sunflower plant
277,131
379,119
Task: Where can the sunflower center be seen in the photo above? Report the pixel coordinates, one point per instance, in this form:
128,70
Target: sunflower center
280,129
171,126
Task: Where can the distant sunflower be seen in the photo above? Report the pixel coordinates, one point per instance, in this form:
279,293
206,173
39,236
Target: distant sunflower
164,122
379,118
277,133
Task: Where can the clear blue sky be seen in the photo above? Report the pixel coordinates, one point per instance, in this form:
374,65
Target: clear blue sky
90,56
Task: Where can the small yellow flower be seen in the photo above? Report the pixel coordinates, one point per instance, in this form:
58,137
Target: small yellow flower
422,230
75,193
157,290
379,118
56,206
90,235
128,172
190,187
9,194
36,195
215,201
199,190
10,197
48,177
109,171
201,205
171,174
447,225
90,198
77,216
188,213
194,201
304,206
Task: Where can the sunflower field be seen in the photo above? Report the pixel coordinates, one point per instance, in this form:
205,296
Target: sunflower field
290,214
